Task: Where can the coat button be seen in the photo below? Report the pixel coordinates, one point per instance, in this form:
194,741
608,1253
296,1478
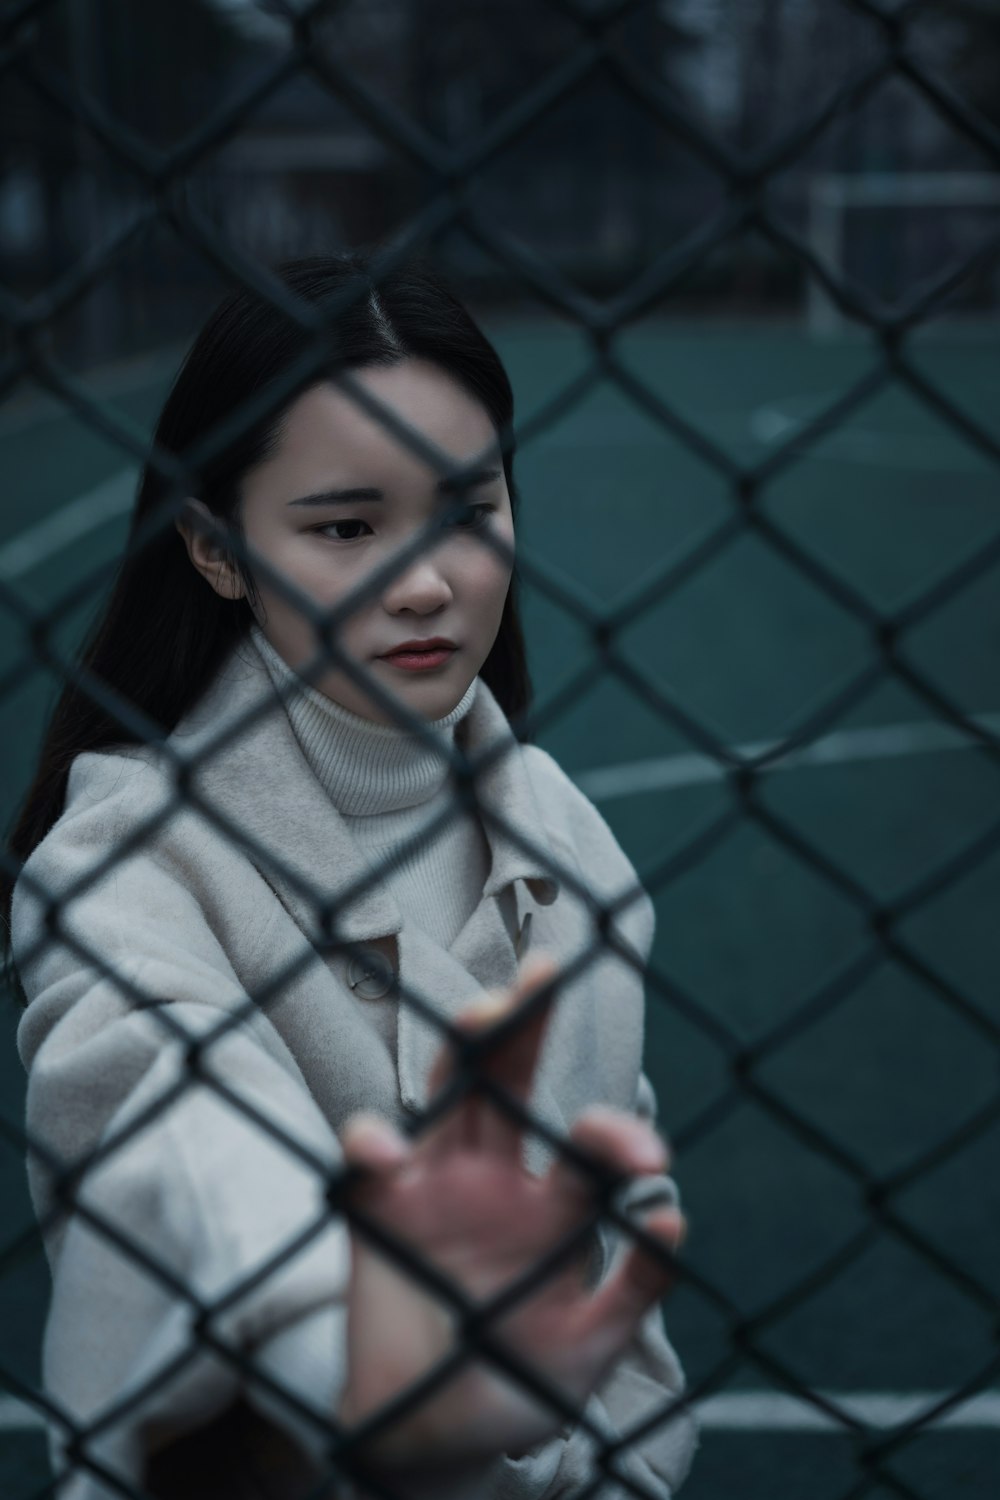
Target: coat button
370,975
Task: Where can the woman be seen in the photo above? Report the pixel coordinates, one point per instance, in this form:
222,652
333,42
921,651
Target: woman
288,835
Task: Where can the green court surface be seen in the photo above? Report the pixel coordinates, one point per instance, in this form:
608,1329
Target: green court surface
751,930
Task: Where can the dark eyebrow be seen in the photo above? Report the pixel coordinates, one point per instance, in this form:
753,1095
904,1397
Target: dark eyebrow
339,497
446,486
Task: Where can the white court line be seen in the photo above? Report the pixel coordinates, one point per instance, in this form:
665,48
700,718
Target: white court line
95,508
780,421
750,1411
767,1411
883,742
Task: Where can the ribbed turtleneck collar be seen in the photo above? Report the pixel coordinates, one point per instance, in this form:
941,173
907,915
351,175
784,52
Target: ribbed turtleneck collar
364,767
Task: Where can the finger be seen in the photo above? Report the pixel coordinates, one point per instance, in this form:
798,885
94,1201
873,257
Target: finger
644,1276
493,1009
621,1139
610,1138
476,1123
371,1141
612,1316
497,1007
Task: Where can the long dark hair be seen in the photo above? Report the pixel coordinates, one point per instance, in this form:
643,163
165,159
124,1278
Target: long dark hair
163,634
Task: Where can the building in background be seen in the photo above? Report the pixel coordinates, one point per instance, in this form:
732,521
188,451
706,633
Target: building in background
604,171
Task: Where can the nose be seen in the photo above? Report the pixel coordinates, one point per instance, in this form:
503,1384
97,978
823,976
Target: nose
421,587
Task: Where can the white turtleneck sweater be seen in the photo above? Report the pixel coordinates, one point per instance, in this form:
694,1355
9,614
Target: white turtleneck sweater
388,785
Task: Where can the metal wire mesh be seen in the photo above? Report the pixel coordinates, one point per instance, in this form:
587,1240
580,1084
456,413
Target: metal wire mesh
161,177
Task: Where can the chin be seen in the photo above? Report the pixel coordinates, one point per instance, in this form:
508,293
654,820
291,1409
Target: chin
437,705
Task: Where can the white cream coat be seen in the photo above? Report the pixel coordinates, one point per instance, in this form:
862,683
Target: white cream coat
186,933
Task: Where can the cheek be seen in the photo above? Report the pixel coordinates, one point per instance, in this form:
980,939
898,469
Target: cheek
322,585
487,577
323,579
492,567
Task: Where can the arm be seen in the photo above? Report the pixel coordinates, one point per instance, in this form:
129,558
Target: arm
199,1195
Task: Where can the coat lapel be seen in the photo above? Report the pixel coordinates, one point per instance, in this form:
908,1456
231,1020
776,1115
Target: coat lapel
445,987
482,956
251,771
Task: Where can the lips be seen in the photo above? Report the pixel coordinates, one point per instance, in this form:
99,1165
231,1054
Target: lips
428,655
416,648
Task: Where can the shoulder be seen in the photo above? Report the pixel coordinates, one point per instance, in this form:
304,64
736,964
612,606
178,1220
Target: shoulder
569,814
106,791
118,788
113,783
118,814
116,902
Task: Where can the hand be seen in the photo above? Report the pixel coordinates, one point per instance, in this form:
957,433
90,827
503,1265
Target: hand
461,1197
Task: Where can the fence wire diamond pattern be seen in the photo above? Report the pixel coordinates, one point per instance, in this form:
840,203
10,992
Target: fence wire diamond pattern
162,176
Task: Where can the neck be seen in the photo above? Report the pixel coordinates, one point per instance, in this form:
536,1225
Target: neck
365,767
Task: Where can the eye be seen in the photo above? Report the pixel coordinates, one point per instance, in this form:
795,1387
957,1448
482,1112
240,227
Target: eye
470,517
339,537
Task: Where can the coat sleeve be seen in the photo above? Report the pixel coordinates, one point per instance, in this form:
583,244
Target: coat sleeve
643,1382
178,1163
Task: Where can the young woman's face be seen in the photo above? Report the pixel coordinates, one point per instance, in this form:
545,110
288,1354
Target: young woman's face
340,496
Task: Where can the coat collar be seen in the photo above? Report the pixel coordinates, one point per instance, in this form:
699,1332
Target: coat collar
248,767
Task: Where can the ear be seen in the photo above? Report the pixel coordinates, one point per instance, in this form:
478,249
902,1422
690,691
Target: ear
207,554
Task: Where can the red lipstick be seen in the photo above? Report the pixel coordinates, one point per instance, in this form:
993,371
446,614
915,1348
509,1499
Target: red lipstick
421,655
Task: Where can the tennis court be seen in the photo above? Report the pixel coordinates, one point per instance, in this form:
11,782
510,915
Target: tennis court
852,1069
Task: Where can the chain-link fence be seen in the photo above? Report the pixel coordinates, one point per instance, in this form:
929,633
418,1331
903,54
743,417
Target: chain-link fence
449,174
